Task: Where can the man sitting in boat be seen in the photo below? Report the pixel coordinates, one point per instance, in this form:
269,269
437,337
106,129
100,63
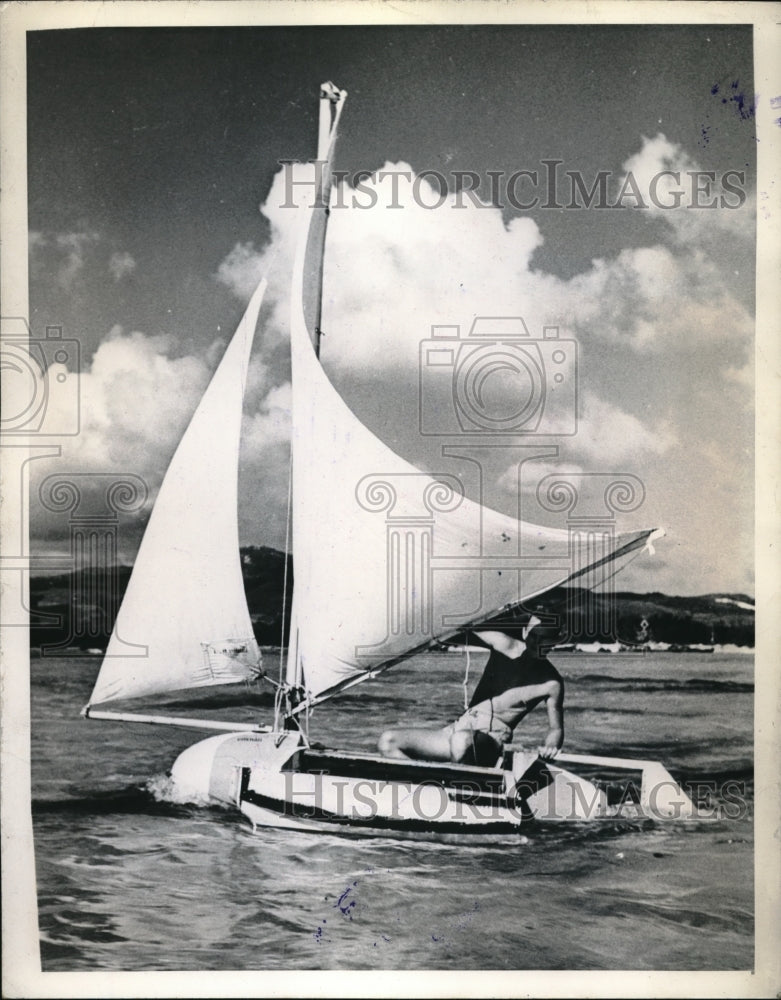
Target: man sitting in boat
516,679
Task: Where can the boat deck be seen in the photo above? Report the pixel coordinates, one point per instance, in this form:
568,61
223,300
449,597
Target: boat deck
373,767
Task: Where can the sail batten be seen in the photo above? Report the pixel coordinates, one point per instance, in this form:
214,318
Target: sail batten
184,621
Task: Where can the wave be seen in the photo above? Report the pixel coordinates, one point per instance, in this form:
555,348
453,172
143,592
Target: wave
650,684
739,773
134,799
223,696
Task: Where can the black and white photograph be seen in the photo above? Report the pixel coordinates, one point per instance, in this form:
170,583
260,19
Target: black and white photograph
389,448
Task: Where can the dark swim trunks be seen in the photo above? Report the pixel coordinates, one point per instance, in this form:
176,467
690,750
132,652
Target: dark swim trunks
480,719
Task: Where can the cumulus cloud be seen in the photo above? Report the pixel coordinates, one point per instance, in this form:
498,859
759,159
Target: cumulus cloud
241,270
677,191
135,402
391,274
73,248
527,477
66,255
607,438
427,267
136,399
121,265
652,299
271,423
381,304
35,240
606,433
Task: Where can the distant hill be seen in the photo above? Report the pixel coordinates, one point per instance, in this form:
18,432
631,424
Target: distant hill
78,609
263,570
709,619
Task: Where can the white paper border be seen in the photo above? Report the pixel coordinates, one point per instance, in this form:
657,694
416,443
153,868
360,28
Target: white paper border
21,969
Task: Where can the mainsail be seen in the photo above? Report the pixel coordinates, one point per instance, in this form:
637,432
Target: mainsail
389,559
184,620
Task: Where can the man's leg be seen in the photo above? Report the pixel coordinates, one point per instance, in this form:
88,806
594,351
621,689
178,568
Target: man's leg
468,747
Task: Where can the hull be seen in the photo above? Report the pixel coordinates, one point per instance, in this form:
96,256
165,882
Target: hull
276,780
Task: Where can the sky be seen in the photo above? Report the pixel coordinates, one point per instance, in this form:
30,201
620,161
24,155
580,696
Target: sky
157,200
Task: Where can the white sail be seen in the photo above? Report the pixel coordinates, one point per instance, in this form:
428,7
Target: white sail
185,608
388,558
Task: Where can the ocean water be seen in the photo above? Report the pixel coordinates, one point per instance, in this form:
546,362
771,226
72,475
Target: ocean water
129,880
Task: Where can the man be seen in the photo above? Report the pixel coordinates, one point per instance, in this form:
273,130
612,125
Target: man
516,679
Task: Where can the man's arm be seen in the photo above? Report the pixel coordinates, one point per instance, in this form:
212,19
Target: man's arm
555,738
502,643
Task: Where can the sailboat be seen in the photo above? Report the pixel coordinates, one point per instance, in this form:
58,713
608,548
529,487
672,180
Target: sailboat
388,562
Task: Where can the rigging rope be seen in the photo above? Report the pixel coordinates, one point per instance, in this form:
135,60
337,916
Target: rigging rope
466,676
618,569
281,685
465,685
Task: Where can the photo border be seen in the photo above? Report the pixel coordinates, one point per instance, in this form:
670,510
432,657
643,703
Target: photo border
22,976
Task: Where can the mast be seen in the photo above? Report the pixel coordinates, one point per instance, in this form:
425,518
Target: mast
331,104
